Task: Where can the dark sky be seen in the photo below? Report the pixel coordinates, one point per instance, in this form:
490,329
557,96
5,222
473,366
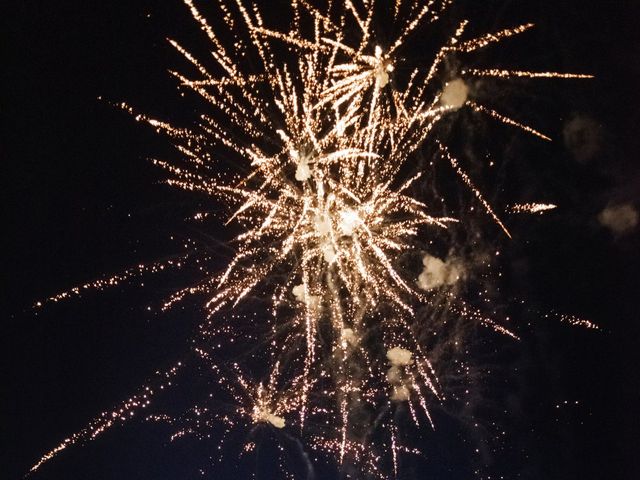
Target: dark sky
80,199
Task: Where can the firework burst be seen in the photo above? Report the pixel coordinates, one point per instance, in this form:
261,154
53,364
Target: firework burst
309,138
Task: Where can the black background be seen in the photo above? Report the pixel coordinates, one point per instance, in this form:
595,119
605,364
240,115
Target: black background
80,200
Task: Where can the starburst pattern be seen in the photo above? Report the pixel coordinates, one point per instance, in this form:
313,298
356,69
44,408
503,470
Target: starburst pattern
310,138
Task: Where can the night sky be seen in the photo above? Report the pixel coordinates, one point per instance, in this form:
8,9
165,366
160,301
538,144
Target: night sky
80,199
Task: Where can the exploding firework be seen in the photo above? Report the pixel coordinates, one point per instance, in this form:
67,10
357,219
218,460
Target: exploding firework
310,138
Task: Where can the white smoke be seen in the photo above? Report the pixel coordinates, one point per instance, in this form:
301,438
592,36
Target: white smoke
349,221
620,219
398,357
323,229
311,301
401,393
268,417
303,172
454,94
349,337
437,273
583,137
383,69
275,420
328,252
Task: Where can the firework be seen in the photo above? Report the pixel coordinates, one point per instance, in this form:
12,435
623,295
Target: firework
309,139
117,416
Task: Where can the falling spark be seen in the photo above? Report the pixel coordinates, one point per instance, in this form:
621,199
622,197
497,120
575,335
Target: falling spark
519,73
532,208
119,415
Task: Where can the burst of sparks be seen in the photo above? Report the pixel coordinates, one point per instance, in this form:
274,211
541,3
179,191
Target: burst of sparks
119,415
317,143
